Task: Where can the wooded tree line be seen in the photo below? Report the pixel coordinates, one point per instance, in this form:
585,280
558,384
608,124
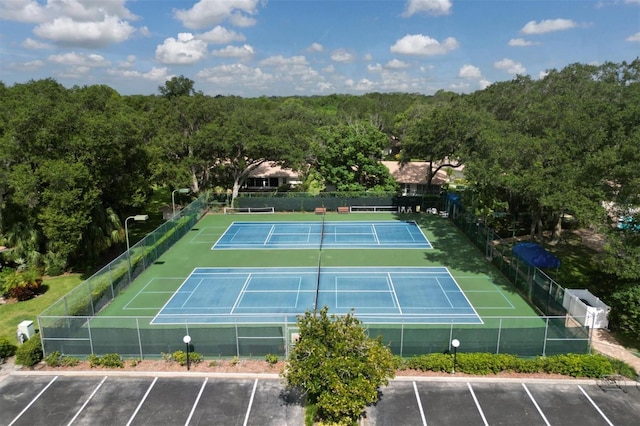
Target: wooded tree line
76,162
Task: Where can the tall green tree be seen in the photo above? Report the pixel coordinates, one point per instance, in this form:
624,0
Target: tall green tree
347,157
337,365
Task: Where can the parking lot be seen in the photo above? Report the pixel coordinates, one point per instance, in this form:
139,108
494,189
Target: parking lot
93,399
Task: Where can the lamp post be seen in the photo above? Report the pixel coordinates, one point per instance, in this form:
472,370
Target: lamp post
455,343
173,203
137,218
187,339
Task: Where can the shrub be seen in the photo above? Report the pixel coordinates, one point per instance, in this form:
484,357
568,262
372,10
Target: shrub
30,352
271,359
181,357
56,359
107,360
22,285
7,349
431,362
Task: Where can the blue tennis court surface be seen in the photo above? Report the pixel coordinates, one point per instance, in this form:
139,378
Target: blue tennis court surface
294,235
419,295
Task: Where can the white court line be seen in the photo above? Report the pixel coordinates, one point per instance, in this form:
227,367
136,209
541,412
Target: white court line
546,422
424,419
135,413
266,240
444,292
191,293
241,293
393,292
195,404
484,419
595,406
32,401
253,394
375,234
87,401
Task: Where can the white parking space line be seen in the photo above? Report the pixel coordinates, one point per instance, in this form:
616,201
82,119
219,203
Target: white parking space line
415,389
595,406
253,393
546,422
87,401
195,404
146,394
484,419
32,401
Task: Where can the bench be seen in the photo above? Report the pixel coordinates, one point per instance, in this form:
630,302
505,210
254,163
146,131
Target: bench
321,210
343,209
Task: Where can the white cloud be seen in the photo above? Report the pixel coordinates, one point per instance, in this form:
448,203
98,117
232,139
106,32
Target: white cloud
210,12
244,52
367,57
27,66
374,68
79,60
363,85
144,31
30,43
396,64
431,7
520,42
233,74
484,84
510,66
221,35
315,47
470,72
548,26
543,74
184,50
342,55
28,11
155,74
422,45
66,31
278,61
635,37
329,68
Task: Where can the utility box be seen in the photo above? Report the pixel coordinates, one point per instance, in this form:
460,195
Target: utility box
26,331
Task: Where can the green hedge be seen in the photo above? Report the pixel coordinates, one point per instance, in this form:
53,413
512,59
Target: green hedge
30,352
7,349
574,365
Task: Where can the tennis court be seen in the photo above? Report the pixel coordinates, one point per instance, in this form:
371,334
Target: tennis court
312,235
423,295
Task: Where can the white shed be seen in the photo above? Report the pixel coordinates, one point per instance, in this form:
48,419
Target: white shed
586,308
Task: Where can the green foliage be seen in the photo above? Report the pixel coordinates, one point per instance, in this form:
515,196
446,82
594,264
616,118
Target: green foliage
7,349
21,285
625,310
30,352
271,359
56,359
337,365
107,360
181,357
574,365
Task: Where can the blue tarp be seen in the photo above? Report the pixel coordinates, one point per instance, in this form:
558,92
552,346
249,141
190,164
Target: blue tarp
533,254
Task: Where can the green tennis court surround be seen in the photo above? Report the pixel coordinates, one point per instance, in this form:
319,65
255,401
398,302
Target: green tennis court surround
110,314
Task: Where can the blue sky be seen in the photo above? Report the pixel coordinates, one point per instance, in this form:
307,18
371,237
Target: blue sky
255,48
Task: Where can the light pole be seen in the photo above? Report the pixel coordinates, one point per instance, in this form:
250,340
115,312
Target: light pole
187,339
455,343
137,218
173,203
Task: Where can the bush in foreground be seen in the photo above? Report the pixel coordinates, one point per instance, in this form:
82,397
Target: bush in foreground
30,352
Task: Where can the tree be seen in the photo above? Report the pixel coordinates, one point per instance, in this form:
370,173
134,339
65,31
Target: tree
339,368
347,156
176,87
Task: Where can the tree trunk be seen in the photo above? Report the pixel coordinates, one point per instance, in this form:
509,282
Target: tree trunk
557,229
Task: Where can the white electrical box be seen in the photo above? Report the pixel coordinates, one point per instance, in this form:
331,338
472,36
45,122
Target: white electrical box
26,331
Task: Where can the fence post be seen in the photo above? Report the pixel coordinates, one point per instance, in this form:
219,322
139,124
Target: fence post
499,335
402,338
139,339
546,333
237,339
90,336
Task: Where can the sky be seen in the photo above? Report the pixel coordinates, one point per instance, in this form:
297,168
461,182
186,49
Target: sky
253,48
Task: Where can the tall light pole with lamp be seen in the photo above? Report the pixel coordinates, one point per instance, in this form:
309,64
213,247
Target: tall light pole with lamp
455,343
187,339
173,202
137,218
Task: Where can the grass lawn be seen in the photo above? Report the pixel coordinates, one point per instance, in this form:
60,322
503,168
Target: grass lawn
12,314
